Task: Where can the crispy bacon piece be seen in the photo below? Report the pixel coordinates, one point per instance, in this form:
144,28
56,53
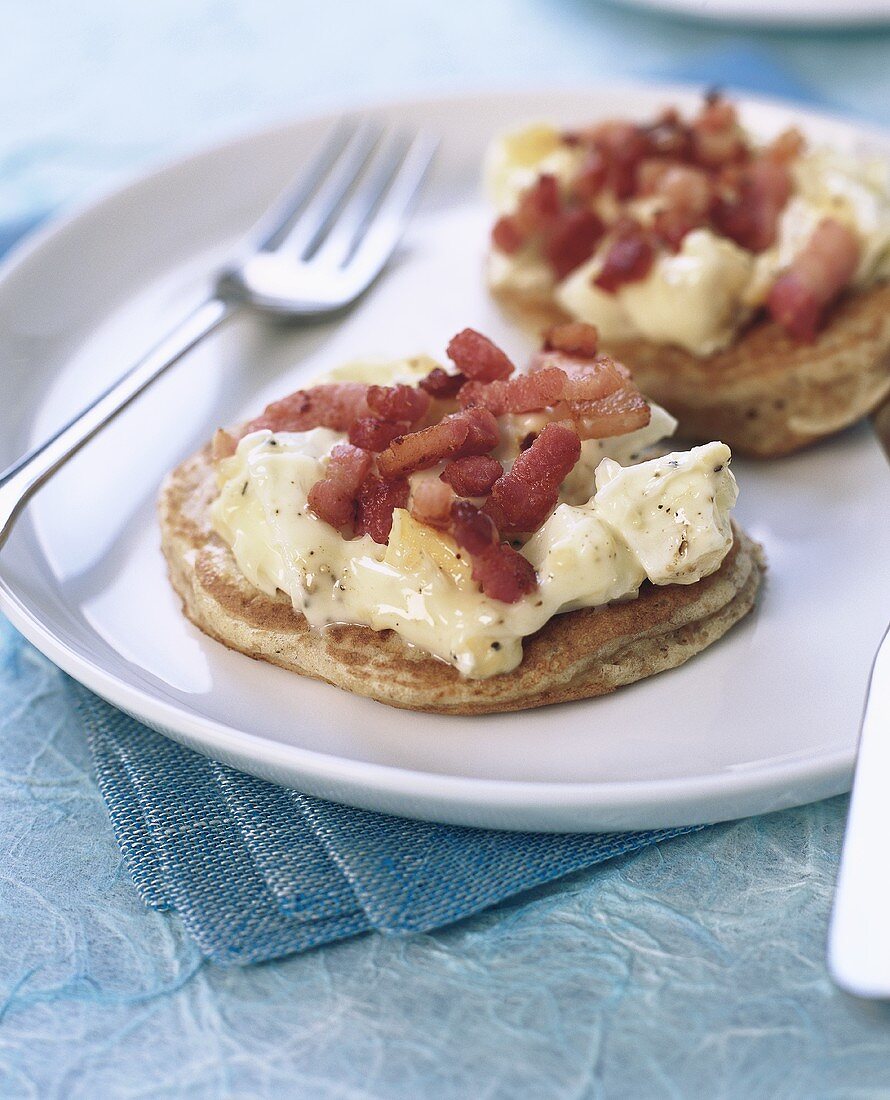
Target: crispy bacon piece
669,136
472,476
787,146
498,569
587,379
717,137
375,505
473,530
333,498
555,377
622,146
506,235
398,402
748,211
223,445
629,258
440,384
476,356
623,410
670,226
817,275
396,410
523,498
591,177
431,501
521,394
574,338
685,188
572,240
503,574
538,206
373,434
334,405
471,432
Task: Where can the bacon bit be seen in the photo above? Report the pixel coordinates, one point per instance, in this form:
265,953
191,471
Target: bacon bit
472,476
500,572
650,173
624,410
503,574
686,188
477,357
591,177
334,405
555,377
538,206
817,275
473,530
749,214
671,226
398,402
717,137
376,502
523,498
572,240
440,384
506,235
471,432
431,501
574,338
333,498
577,367
787,146
373,434
224,445
524,393
669,136
629,259
622,145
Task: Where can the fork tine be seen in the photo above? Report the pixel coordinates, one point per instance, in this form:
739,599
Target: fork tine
384,228
313,222
275,224
354,216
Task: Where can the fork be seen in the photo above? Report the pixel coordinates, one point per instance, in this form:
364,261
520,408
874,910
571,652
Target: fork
315,252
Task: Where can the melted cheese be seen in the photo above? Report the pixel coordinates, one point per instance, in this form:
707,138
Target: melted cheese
699,298
665,520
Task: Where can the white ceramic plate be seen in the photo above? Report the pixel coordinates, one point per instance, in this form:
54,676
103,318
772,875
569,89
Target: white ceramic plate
764,719
776,13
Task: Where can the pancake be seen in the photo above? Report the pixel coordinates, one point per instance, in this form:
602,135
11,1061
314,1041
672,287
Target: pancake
766,394
576,655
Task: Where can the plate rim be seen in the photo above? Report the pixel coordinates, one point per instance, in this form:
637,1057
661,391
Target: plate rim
457,794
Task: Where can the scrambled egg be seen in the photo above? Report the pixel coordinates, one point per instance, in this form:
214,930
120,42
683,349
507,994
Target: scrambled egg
665,520
699,298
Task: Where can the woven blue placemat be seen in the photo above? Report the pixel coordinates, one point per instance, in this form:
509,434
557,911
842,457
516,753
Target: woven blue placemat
256,871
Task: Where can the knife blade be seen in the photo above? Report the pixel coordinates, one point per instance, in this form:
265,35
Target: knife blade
859,935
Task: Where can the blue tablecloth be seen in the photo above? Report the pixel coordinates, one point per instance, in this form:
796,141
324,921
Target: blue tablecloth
692,969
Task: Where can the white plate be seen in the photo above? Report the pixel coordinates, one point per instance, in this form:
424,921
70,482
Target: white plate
777,13
764,719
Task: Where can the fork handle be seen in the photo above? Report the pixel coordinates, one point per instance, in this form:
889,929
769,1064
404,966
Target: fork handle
29,472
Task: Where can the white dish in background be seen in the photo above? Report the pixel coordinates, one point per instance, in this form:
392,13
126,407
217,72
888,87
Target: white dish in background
764,719
775,13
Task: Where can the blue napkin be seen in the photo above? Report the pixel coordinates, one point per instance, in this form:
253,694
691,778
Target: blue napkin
256,871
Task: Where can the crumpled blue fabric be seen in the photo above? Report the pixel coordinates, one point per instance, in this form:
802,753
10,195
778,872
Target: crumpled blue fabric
256,871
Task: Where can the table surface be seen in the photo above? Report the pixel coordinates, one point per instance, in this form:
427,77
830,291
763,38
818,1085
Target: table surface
695,968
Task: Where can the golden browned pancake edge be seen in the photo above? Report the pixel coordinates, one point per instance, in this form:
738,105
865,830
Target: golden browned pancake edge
575,656
765,395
